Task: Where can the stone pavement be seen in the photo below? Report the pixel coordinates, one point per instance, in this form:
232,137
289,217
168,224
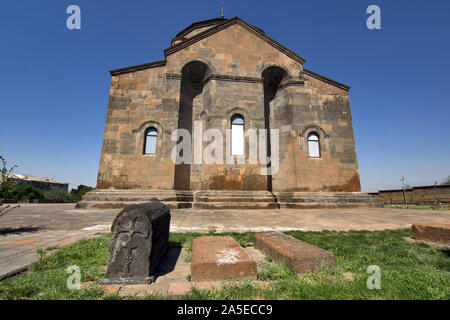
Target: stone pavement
34,226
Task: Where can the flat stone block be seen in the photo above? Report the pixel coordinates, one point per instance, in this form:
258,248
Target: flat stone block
432,232
220,258
299,256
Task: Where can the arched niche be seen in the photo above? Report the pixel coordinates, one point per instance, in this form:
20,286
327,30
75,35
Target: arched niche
272,76
193,75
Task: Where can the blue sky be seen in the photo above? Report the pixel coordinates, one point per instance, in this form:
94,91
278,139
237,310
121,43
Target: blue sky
54,82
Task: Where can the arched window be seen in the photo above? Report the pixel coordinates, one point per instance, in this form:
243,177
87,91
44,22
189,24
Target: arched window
151,137
313,145
237,135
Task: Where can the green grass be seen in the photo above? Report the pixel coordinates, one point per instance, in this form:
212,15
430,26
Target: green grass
416,207
408,270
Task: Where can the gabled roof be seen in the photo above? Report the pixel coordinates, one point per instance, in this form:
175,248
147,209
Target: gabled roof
200,24
218,24
225,24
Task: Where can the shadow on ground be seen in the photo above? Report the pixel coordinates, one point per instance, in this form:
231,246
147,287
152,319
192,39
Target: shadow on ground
446,252
19,230
169,260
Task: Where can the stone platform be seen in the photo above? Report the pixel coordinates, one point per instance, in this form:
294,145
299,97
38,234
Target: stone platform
226,199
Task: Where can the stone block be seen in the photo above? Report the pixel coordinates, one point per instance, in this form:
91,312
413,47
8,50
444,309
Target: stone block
220,258
140,235
299,256
432,232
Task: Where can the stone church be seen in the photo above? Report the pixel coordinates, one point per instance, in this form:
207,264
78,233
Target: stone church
228,75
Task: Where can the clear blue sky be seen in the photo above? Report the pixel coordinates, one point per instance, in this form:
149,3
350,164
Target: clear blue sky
54,82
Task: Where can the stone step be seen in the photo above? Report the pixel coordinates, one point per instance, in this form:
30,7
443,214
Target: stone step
324,197
234,196
220,258
138,195
226,199
299,256
235,205
122,204
325,205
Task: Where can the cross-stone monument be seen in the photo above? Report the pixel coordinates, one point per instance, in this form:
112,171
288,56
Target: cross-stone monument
140,235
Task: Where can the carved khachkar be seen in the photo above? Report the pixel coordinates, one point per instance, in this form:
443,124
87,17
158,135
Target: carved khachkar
140,235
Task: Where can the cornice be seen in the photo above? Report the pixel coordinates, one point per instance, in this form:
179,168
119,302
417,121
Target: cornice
139,67
327,80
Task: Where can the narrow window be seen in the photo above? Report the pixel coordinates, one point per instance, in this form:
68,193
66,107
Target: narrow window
237,135
151,137
313,145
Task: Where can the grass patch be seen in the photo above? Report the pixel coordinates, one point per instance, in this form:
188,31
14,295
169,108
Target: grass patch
408,270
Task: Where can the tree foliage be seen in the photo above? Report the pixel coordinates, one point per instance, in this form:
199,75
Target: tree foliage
79,192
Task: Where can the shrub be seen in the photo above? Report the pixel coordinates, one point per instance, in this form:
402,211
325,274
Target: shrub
79,192
58,195
18,192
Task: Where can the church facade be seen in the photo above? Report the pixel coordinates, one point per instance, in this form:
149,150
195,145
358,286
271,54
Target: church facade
227,75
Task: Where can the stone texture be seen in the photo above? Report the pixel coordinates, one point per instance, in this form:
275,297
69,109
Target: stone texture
139,239
299,256
432,232
220,258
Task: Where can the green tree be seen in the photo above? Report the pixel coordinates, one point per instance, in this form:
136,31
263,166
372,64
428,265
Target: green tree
79,192
5,185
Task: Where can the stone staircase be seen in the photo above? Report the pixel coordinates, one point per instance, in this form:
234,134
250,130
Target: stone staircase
109,199
226,199
217,199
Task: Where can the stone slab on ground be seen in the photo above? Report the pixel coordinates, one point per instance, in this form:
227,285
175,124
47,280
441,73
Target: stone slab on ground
435,244
220,258
432,232
299,256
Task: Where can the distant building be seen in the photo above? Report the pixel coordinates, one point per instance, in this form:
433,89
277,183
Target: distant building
40,183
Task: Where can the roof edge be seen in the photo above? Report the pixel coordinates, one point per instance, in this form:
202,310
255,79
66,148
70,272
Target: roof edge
327,80
138,67
200,24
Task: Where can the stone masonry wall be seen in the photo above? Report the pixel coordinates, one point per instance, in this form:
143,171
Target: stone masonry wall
416,195
233,84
